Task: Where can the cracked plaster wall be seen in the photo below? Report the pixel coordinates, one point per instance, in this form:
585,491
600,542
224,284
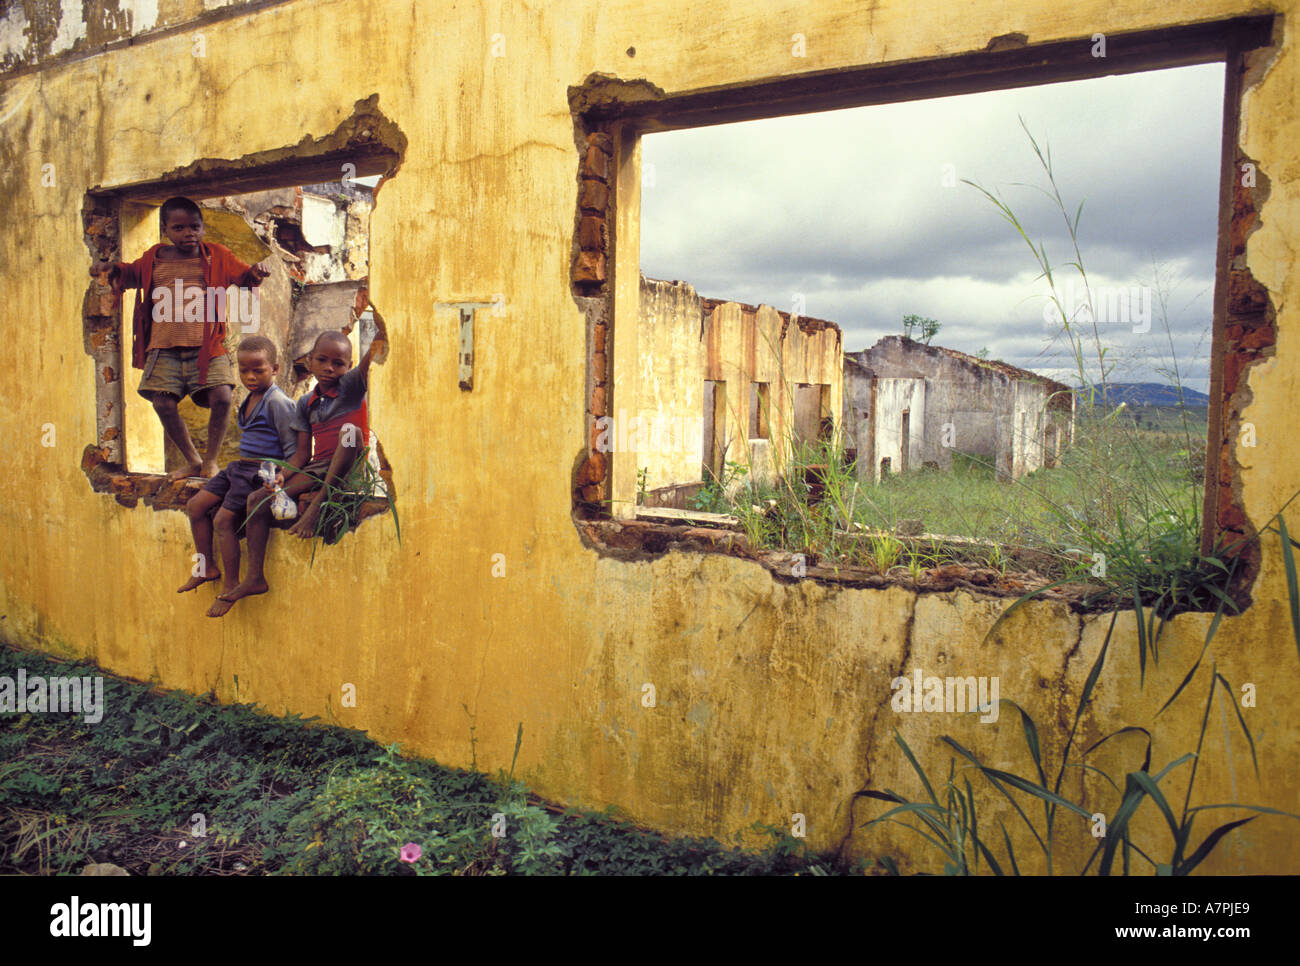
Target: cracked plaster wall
773,695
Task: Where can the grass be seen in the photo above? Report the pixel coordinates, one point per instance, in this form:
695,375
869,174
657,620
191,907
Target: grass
966,515
345,498
1138,511
952,824
284,795
968,501
1119,514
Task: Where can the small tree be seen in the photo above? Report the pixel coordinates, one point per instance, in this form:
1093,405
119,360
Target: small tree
928,327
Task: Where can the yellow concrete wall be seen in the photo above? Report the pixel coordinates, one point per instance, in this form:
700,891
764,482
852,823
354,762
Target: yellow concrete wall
773,698
740,350
670,406
142,432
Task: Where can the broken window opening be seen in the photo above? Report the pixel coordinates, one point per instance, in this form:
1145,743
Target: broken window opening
613,123
304,214
759,410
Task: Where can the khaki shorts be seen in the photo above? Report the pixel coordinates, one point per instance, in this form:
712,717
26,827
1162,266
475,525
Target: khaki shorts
176,371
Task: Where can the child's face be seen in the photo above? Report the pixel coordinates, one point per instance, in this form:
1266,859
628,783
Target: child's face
255,370
329,361
185,231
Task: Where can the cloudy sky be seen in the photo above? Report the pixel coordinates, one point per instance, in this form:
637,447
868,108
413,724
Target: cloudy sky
850,210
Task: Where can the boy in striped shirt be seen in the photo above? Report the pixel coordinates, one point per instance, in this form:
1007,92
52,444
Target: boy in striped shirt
178,339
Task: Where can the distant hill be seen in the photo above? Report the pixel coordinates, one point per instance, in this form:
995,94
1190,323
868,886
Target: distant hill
1151,394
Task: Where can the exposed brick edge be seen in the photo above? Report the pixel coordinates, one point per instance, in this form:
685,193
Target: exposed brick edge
807,324
590,277
1250,335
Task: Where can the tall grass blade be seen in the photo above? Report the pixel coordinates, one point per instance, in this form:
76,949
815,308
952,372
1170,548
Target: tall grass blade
1293,591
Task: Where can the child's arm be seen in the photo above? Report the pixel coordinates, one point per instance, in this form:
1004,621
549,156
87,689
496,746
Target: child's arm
228,269
281,410
121,275
253,275
300,424
378,348
340,465
301,456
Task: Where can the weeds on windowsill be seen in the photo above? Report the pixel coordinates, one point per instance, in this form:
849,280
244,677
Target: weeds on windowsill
1150,562
344,499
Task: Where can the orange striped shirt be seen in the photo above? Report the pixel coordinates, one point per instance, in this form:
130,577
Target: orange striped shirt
178,333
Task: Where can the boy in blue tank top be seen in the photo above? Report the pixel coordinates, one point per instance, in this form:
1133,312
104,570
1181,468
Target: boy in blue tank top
265,422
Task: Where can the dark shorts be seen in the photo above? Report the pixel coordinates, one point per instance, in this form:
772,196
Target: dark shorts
318,470
234,483
176,371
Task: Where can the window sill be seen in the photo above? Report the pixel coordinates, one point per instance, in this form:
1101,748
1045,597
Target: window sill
157,491
647,539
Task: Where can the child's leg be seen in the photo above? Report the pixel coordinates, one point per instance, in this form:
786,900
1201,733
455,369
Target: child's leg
340,463
200,512
258,530
217,399
166,406
225,523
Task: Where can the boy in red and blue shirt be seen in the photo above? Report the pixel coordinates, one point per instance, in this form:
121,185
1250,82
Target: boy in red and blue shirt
333,429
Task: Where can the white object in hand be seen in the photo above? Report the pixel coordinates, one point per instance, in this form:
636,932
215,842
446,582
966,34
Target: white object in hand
282,506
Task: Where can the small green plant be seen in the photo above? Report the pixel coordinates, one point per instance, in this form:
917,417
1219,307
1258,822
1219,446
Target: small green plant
713,497
344,498
953,826
928,328
885,551
997,559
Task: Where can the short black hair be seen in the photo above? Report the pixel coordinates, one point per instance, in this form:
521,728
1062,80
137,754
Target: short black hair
335,336
179,203
260,343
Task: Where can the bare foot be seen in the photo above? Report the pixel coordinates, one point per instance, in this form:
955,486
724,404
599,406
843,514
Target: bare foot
306,525
249,588
184,472
208,468
219,607
196,582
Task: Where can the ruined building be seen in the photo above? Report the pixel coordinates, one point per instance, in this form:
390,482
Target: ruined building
504,253
725,382
908,404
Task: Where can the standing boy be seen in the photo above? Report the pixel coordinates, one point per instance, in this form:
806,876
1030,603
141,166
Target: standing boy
333,429
178,340
265,421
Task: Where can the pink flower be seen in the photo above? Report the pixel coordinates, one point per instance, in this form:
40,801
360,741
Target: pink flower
411,852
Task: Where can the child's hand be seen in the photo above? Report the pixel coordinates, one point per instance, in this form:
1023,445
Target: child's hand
258,272
100,267
276,483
